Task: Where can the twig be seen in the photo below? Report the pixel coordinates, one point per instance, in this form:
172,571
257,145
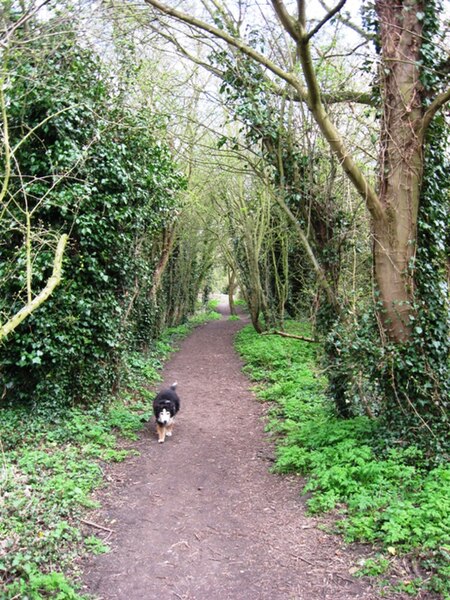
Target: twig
183,542
291,335
108,536
97,526
303,559
343,578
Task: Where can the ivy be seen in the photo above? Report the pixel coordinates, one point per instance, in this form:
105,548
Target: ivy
96,170
406,385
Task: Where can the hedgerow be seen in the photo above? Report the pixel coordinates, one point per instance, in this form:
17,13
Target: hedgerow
100,171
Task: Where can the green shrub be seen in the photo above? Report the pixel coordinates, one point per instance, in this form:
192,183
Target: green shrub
122,190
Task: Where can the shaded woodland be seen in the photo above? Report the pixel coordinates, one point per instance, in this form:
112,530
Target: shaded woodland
292,155
298,152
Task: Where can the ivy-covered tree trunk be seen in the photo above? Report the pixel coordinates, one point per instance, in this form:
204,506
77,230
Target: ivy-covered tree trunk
401,160
168,238
400,166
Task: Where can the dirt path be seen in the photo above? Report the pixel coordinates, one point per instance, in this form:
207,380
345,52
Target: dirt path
200,517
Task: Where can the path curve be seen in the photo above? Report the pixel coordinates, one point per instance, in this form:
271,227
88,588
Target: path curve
201,517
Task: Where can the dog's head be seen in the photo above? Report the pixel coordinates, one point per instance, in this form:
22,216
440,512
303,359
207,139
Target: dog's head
164,417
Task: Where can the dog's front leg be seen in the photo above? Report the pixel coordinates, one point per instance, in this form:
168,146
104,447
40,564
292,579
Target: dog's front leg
170,427
161,432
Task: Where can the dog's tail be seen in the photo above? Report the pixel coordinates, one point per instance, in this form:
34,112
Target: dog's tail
174,385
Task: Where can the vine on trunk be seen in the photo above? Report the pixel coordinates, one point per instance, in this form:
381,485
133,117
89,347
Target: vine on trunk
416,376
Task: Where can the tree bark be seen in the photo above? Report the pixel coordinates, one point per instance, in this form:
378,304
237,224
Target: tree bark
232,285
401,163
167,244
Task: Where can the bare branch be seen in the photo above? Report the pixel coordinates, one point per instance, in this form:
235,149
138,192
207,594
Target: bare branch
302,13
21,22
328,98
224,13
437,104
7,147
32,305
327,18
232,41
288,22
47,118
345,21
291,335
194,59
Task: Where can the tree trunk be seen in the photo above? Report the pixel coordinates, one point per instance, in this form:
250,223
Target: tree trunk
401,160
167,244
232,285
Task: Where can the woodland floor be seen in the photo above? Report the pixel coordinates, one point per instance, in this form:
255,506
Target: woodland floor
201,517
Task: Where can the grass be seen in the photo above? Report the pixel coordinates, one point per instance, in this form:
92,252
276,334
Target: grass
388,500
213,304
50,466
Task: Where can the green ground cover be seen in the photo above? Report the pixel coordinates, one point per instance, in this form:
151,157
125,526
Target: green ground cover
381,495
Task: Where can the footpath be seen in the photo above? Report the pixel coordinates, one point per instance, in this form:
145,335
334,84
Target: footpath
201,517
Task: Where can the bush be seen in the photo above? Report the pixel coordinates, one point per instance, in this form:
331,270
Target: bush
120,192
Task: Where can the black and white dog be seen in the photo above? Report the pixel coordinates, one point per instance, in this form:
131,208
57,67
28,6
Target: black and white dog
165,407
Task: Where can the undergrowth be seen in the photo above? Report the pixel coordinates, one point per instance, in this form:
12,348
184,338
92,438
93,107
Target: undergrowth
51,464
384,496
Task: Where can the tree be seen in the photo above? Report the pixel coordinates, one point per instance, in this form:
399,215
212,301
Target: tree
405,121
245,207
408,99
